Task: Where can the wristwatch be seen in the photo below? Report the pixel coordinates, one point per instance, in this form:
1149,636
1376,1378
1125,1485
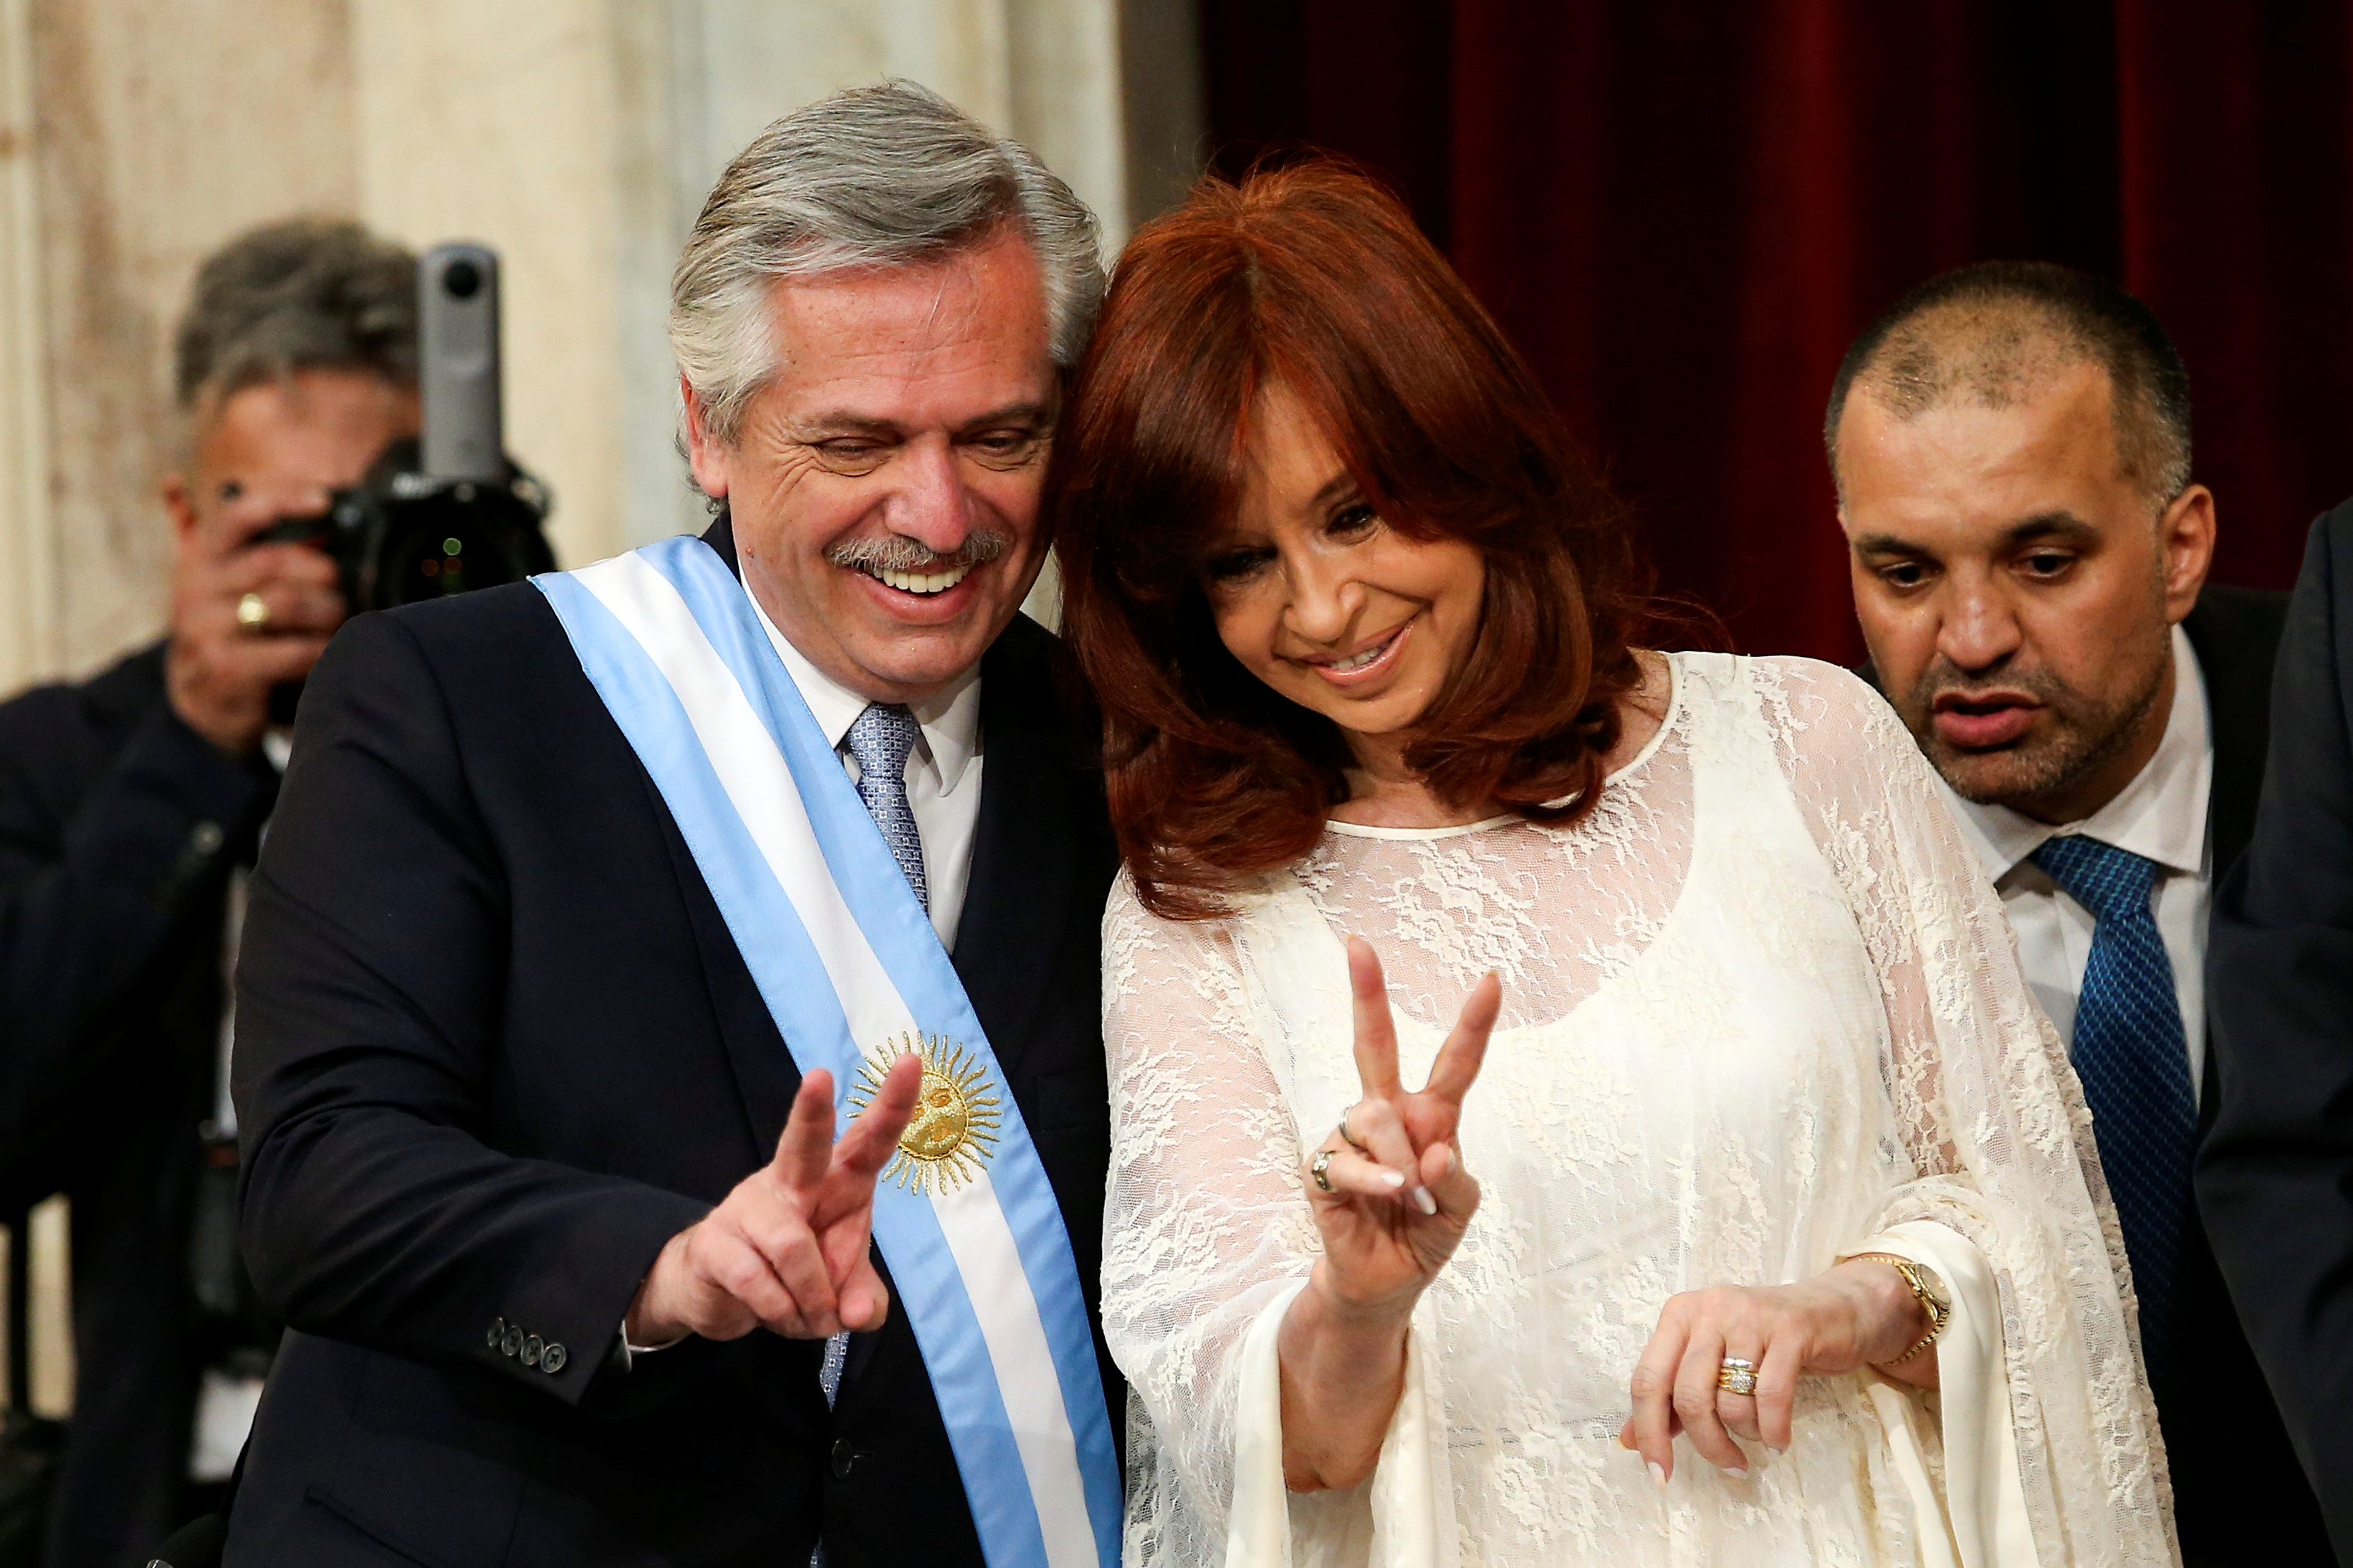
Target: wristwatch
1925,1287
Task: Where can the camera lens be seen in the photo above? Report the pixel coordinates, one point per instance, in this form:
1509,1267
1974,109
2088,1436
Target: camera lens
462,279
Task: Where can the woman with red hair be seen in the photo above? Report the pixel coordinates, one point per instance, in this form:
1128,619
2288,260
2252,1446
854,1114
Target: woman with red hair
1735,1132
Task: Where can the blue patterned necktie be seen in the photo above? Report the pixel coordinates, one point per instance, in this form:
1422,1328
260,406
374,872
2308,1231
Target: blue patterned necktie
882,739
2134,1060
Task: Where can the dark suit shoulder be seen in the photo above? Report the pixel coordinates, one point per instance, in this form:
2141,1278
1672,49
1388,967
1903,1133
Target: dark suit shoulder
1023,651
114,699
1029,682
513,618
496,652
2235,633
2237,623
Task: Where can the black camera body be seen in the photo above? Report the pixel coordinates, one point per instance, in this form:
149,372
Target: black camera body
449,511
402,536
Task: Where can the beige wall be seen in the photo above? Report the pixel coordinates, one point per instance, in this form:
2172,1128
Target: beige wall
493,121
151,143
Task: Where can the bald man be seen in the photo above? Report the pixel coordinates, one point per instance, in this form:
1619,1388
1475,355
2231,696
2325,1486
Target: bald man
2012,447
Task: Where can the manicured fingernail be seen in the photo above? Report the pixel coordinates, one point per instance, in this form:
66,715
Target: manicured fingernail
1424,1202
1736,1474
1452,1160
1657,1475
1392,1178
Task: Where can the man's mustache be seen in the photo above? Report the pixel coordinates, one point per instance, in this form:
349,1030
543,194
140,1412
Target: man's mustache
897,553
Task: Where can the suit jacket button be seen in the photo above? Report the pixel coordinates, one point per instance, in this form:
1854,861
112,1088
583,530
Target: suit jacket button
842,1458
531,1346
498,1331
511,1344
553,1358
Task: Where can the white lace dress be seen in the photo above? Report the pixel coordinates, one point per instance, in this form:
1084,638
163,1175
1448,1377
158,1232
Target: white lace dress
1759,1007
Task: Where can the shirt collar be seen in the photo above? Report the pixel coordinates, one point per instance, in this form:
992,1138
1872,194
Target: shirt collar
2160,815
950,720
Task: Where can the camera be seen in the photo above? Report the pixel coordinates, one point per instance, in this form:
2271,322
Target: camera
448,512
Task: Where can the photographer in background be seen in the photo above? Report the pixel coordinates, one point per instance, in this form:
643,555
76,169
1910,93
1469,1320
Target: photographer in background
131,805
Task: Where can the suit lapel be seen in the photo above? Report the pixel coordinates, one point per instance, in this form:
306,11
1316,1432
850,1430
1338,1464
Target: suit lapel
1025,852
2235,634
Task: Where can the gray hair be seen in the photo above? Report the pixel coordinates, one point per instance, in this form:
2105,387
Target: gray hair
301,294
874,177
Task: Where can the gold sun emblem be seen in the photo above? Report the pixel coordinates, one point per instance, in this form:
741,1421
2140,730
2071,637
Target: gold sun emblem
954,1130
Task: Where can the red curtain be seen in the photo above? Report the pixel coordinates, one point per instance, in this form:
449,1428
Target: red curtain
1683,213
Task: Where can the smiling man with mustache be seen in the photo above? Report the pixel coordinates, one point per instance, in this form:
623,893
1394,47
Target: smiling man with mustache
2012,446
594,907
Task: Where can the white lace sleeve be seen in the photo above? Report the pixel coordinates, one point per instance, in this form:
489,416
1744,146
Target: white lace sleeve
1992,1117
1205,1225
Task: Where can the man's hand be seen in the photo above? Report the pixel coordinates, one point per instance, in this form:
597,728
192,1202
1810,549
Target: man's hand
787,1250
218,669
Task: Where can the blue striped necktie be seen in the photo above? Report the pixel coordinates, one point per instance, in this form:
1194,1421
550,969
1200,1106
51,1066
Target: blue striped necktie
2134,1060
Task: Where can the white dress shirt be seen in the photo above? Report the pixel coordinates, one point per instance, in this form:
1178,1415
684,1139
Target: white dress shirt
2161,816
942,772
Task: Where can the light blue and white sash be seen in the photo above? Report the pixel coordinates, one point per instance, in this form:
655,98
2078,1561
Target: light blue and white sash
849,966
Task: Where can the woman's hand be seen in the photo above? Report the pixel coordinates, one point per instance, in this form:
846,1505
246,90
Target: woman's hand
1857,1314
1391,1202
1393,1199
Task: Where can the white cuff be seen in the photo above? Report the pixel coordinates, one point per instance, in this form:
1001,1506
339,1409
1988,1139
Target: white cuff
1984,1506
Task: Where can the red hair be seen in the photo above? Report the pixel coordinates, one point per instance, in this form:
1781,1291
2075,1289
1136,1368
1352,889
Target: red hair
1314,277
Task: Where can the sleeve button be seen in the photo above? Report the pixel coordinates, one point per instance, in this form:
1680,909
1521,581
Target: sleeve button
511,1343
498,1332
552,1359
531,1346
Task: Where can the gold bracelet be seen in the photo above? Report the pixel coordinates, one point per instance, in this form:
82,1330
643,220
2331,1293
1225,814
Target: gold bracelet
1939,1310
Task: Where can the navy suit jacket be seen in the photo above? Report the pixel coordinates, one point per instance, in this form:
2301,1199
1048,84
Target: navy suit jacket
2275,1175
495,1047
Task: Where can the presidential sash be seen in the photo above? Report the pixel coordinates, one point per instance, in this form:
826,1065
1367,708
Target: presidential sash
853,972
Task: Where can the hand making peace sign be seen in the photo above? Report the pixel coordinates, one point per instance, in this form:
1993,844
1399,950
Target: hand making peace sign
1389,1192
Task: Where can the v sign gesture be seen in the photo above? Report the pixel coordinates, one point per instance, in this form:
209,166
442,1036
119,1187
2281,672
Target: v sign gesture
1391,1198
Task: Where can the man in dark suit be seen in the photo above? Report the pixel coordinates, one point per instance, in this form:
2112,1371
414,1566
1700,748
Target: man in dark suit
2276,1173
536,1172
129,804
2012,446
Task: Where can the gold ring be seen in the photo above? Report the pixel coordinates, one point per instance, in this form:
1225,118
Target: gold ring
1737,1375
1349,1138
1320,1169
253,611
